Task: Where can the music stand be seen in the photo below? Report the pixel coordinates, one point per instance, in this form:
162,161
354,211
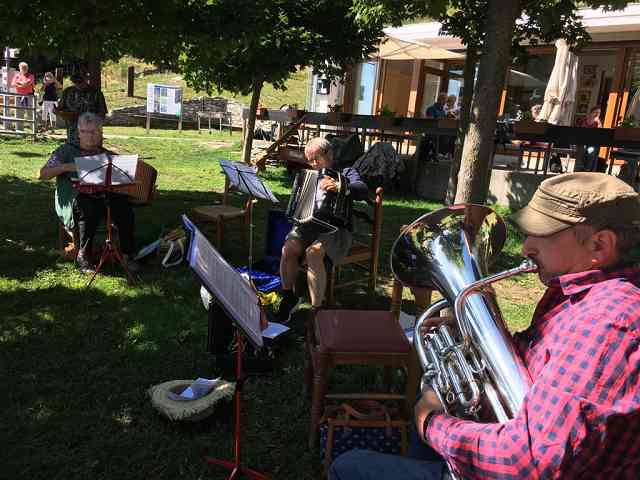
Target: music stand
108,174
245,178
241,303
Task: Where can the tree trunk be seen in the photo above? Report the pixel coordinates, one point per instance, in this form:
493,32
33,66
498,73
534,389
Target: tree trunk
463,125
474,174
251,122
94,47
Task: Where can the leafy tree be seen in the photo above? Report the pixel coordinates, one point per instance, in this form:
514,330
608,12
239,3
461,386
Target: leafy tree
92,30
267,41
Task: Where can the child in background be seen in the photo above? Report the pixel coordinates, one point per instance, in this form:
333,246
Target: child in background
49,100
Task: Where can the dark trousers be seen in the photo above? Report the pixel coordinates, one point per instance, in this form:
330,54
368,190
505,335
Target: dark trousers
90,209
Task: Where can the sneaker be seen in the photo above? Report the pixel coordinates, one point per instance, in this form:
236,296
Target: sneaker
287,306
132,265
84,264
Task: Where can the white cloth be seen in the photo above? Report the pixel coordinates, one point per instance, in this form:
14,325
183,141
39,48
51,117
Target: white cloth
560,95
47,111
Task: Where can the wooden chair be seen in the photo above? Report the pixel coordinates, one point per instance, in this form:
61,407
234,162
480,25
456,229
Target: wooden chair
364,254
141,194
221,215
358,337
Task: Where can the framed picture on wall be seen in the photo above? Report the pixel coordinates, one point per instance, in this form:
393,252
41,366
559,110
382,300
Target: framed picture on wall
590,70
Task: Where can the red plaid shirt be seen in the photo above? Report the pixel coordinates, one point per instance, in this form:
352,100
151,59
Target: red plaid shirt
581,418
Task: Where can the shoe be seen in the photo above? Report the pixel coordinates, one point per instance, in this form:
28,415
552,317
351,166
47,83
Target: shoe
288,303
84,264
132,265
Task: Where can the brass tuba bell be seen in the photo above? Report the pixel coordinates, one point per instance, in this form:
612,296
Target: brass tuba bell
472,364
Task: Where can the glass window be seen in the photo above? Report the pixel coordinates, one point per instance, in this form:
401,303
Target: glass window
632,83
526,84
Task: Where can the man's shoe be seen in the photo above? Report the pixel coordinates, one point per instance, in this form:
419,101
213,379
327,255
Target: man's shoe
84,264
287,305
132,265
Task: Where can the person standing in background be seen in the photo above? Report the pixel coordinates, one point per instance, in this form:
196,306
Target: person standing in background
78,99
23,83
50,88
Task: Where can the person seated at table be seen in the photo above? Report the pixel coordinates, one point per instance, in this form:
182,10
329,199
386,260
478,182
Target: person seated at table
593,119
535,111
79,98
320,249
86,210
592,160
437,109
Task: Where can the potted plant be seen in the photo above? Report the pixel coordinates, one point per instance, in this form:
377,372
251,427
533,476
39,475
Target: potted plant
527,125
627,131
386,117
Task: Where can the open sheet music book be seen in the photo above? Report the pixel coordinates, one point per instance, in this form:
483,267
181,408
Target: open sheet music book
92,169
225,284
245,178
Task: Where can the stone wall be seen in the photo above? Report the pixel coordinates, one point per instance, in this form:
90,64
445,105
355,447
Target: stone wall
136,116
508,188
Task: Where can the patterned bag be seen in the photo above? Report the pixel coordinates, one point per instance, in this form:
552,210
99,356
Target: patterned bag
365,425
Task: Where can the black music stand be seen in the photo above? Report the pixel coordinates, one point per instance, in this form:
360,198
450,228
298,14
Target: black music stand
245,178
241,303
93,179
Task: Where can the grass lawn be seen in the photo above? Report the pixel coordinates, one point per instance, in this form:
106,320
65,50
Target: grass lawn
75,363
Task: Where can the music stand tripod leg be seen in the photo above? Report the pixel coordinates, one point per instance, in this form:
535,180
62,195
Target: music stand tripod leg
235,465
110,251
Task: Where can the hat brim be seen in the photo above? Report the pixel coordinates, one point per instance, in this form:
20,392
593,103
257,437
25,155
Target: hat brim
532,222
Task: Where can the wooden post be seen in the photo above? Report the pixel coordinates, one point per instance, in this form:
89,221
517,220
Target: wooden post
59,74
130,81
148,122
180,121
417,86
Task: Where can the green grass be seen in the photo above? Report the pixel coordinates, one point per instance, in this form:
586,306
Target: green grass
114,86
75,362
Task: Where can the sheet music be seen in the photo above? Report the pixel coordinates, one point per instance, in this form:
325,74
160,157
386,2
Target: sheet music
236,296
92,169
245,178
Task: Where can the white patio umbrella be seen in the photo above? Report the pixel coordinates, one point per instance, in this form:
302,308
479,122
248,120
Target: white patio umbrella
560,95
395,49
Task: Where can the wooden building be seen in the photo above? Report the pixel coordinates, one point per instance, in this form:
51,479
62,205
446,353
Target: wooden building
608,74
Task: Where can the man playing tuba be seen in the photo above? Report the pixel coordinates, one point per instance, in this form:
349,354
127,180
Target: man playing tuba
581,417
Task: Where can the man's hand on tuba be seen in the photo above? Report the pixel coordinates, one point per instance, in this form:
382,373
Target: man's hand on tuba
428,403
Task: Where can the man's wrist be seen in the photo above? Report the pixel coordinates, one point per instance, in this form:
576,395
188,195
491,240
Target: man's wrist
425,424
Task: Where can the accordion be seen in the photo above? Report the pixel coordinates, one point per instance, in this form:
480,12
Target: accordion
328,210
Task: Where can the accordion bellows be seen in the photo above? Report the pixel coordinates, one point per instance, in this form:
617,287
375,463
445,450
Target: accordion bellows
309,204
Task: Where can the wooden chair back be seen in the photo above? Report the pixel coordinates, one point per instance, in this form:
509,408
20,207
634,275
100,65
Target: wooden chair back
365,253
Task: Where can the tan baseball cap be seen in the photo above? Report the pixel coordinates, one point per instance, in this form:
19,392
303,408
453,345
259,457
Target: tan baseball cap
566,200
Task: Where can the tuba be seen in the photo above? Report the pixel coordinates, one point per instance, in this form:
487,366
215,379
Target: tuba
470,362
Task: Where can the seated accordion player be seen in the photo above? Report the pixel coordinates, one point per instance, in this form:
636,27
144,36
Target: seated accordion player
309,203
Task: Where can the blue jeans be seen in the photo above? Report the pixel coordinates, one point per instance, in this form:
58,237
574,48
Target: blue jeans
421,463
